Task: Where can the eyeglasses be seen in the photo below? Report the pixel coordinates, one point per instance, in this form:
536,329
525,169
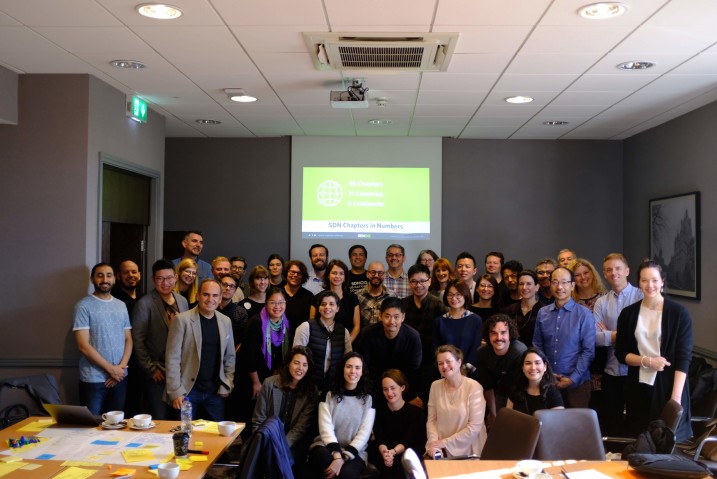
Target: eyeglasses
485,286
276,303
238,268
555,282
229,286
293,273
189,273
416,282
453,295
394,255
380,274
164,279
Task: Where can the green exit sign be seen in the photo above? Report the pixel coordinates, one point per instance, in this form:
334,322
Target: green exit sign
138,110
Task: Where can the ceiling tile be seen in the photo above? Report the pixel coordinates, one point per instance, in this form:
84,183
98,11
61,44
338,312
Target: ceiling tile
380,12
118,42
51,13
490,12
552,63
194,12
271,12
457,82
535,82
488,39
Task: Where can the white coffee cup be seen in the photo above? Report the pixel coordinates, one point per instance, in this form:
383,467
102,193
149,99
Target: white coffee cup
142,420
226,428
113,417
540,475
529,467
168,470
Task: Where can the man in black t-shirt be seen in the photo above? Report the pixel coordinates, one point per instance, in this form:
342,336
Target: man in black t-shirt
357,274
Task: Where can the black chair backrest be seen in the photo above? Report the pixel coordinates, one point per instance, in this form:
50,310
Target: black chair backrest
569,434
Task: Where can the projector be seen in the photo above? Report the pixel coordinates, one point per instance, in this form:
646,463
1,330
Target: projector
353,97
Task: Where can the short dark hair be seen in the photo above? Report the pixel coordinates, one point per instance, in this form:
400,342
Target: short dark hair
529,272
464,291
419,268
323,294
497,254
193,232
513,265
100,265
466,255
161,264
394,245
239,258
274,256
543,261
513,332
317,245
275,290
392,302
358,246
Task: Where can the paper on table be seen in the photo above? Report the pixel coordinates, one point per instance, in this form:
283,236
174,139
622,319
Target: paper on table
138,455
484,474
82,463
198,458
74,473
588,474
7,468
37,426
184,463
124,471
30,467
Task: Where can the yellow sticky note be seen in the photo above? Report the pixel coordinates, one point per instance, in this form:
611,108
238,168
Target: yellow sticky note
184,463
74,473
37,426
198,458
137,455
7,468
149,446
11,459
212,428
82,463
199,422
123,471
198,443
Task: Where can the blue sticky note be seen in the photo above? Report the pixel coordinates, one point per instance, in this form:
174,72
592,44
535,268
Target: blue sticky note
45,457
100,442
133,444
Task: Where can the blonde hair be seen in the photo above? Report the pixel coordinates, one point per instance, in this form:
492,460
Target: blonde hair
596,285
193,291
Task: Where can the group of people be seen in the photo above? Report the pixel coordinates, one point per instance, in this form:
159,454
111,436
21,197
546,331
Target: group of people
347,355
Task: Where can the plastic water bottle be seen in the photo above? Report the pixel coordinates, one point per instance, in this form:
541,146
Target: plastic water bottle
187,415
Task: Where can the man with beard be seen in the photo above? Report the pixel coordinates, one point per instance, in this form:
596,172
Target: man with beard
193,244
151,319
544,269
126,289
509,272
238,269
200,356
357,274
371,297
319,255
396,277
498,362
102,331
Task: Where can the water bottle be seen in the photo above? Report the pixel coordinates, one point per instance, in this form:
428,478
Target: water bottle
186,415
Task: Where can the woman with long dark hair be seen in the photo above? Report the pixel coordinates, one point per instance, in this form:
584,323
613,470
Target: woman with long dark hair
292,396
345,421
534,384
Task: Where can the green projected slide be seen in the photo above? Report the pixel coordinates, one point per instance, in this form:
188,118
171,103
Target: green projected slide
366,202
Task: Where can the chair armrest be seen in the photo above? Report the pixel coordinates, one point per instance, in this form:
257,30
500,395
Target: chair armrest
698,451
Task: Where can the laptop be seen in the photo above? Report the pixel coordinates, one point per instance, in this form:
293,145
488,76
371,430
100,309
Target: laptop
76,415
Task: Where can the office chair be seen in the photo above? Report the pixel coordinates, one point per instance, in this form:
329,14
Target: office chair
569,434
513,436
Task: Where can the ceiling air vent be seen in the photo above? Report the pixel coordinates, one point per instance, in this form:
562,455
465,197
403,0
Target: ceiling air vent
426,52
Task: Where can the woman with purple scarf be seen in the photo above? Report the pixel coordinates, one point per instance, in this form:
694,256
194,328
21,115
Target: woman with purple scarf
261,354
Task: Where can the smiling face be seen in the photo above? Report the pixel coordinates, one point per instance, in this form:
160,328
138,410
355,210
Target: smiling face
527,287
294,277
651,283
454,298
395,258
392,391
448,365
221,269
337,275
193,244
392,319
375,274
103,279
465,270
583,277
275,306
565,258
328,308
164,281
209,297
229,286
319,257
561,286
419,284
238,269
544,271
129,274
353,369
261,284
499,337
534,368
616,273
357,258
298,366
492,265
485,290
187,276
427,259
442,274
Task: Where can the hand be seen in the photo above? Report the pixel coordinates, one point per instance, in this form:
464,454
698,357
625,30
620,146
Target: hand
613,337
334,468
255,390
177,403
564,382
110,383
158,376
117,372
223,395
435,446
658,364
601,326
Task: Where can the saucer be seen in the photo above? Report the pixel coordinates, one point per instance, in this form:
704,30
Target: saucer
119,425
139,428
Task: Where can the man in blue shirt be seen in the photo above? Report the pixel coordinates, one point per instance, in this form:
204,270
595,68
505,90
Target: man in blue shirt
565,332
607,309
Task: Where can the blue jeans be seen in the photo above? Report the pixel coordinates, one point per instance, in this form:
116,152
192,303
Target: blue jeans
211,403
99,398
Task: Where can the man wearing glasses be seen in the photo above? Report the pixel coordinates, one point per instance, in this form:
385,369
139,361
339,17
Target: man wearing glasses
238,269
565,332
543,269
151,318
233,310
396,278
372,295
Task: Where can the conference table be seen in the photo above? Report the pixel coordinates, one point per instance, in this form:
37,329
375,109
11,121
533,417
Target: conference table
504,469
110,442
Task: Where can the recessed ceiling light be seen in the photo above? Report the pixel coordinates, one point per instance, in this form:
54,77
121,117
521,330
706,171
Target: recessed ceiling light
519,99
380,122
160,11
208,122
602,10
237,94
131,64
555,123
635,65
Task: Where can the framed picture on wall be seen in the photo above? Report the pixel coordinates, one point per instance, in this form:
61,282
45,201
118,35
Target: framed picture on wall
675,242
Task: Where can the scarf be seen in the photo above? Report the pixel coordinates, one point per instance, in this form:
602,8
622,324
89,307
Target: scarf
275,334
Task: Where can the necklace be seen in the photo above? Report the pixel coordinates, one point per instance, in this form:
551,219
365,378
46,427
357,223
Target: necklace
452,391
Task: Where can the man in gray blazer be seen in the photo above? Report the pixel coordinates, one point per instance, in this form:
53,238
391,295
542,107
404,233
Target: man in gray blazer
151,318
200,356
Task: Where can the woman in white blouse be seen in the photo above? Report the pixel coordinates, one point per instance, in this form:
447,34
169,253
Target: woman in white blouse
456,408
